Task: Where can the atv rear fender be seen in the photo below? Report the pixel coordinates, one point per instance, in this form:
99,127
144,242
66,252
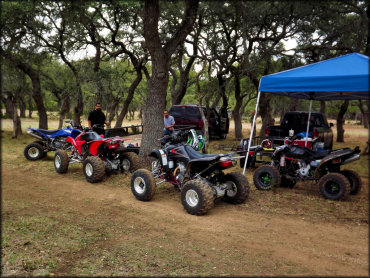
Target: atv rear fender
345,155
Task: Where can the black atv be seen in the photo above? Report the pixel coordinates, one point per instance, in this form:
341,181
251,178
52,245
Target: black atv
293,163
199,177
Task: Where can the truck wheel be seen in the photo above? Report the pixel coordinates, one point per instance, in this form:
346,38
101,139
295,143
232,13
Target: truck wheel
334,186
93,168
354,180
285,182
143,185
239,185
34,151
61,161
197,197
266,177
130,161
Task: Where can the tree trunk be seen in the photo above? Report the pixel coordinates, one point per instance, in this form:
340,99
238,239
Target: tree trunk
222,90
158,82
154,107
78,109
323,107
36,87
265,112
64,109
236,111
367,50
22,108
11,103
8,107
17,129
340,121
37,96
216,101
129,97
99,89
112,109
364,114
30,107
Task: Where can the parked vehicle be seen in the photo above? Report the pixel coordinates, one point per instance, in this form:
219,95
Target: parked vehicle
99,155
296,122
199,177
50,140
188,116
266,148
294,163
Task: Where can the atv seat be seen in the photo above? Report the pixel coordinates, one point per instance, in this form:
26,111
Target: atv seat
48,132
199,157
320,154
207,158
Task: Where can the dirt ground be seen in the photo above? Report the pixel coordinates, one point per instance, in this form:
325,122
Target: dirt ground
56,224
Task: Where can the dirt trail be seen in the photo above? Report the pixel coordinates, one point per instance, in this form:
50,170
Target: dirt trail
256,243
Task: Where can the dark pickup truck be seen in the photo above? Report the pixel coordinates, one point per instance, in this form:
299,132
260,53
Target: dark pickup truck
297,122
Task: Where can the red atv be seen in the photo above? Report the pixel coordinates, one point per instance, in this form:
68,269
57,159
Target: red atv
99,155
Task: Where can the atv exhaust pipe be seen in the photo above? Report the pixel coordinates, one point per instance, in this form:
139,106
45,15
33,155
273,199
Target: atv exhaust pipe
351,159
30,132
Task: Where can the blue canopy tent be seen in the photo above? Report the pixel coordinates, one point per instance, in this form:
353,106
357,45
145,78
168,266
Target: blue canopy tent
339,78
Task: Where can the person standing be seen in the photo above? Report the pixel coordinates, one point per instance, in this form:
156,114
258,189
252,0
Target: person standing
169,123
97,116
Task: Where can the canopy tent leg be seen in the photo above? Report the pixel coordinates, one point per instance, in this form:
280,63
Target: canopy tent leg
251,135
308,124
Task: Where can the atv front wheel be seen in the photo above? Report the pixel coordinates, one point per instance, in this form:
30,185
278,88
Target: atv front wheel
197,197
239,188
34,151
354,180
334,186
129,161
143,185
266,177
61,161
93,168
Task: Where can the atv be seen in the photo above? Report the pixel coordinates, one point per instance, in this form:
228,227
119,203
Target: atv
99,155
50,140
292,163
199,177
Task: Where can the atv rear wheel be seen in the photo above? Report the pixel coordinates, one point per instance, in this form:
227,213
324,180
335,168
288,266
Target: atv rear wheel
93,168
334,186
61,161
354,180
34,151
143,185
285,182
130,161
197,197
266,177
240,188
